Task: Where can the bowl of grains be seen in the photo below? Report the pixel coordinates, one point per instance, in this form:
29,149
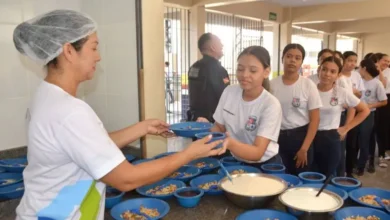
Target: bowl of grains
208,183
360,213
206,164
163,189
140,209
366,196
240,169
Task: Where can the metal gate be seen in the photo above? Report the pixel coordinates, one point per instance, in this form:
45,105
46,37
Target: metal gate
176,54
236,33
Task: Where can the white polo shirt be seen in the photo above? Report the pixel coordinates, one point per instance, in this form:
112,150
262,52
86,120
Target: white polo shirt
386,73
333,102
357,81
247,120
374,92
296,101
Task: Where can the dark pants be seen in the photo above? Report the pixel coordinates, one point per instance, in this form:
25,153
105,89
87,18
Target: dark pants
341,166
382,130
327,153
274,160
351,149
365,130
290,142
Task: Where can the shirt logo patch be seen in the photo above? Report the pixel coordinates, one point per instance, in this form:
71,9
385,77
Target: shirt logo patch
251,123
367,93
334,101
296,102
193,73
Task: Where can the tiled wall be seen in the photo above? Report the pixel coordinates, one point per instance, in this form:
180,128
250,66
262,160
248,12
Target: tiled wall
113,93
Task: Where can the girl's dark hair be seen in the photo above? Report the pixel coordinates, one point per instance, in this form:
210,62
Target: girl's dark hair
262,56
294,46
347,54
326,50
368,56
340,55
374,57
76,45
370,67
380,55
333,59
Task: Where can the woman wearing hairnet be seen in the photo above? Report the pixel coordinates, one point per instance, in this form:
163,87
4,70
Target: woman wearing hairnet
71,156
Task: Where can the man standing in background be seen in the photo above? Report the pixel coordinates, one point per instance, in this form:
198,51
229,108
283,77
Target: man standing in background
207,79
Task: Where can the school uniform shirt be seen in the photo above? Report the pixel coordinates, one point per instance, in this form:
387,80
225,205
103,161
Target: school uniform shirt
68,152
374,92
315,78
333,102
357,81
246,120
296,101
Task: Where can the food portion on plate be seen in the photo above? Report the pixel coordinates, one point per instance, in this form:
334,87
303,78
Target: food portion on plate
162,190
210,186
142,214
370,199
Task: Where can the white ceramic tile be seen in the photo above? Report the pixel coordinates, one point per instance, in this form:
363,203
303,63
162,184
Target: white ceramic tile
12,116
11,11
118,11
121,112
13,78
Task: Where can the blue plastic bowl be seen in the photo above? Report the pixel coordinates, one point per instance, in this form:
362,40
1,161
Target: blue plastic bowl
246,169
354,183
265,214
163,155
230,161
141,161
360,211
210,164
191,170
7,179
342,193
166,182
189,129
273,168
129,157
196,182
292,181
113,200
216,137
189,201
150,203
14,165
312,177
357,193
14,191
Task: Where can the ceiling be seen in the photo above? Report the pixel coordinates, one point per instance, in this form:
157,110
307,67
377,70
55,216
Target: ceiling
298,3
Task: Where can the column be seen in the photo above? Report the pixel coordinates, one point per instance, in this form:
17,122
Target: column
152,75
197,28
332,41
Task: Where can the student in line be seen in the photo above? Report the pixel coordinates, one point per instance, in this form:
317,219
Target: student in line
327,142
374,96
300,102
324,53
249,114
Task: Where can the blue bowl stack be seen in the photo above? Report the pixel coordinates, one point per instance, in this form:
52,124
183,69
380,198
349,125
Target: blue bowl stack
11,177
16,165
216,137
273,168
190,129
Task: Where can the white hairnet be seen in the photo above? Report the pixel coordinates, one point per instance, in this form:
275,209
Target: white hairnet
43,37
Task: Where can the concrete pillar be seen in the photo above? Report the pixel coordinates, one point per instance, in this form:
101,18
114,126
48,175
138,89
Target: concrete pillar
285,39
325,41
197,28
276,54
332,41
152,75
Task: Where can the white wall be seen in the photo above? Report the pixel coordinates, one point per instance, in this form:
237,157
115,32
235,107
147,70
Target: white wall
113,93
376,43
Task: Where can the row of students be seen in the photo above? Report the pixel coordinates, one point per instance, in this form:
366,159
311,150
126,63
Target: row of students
280,126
